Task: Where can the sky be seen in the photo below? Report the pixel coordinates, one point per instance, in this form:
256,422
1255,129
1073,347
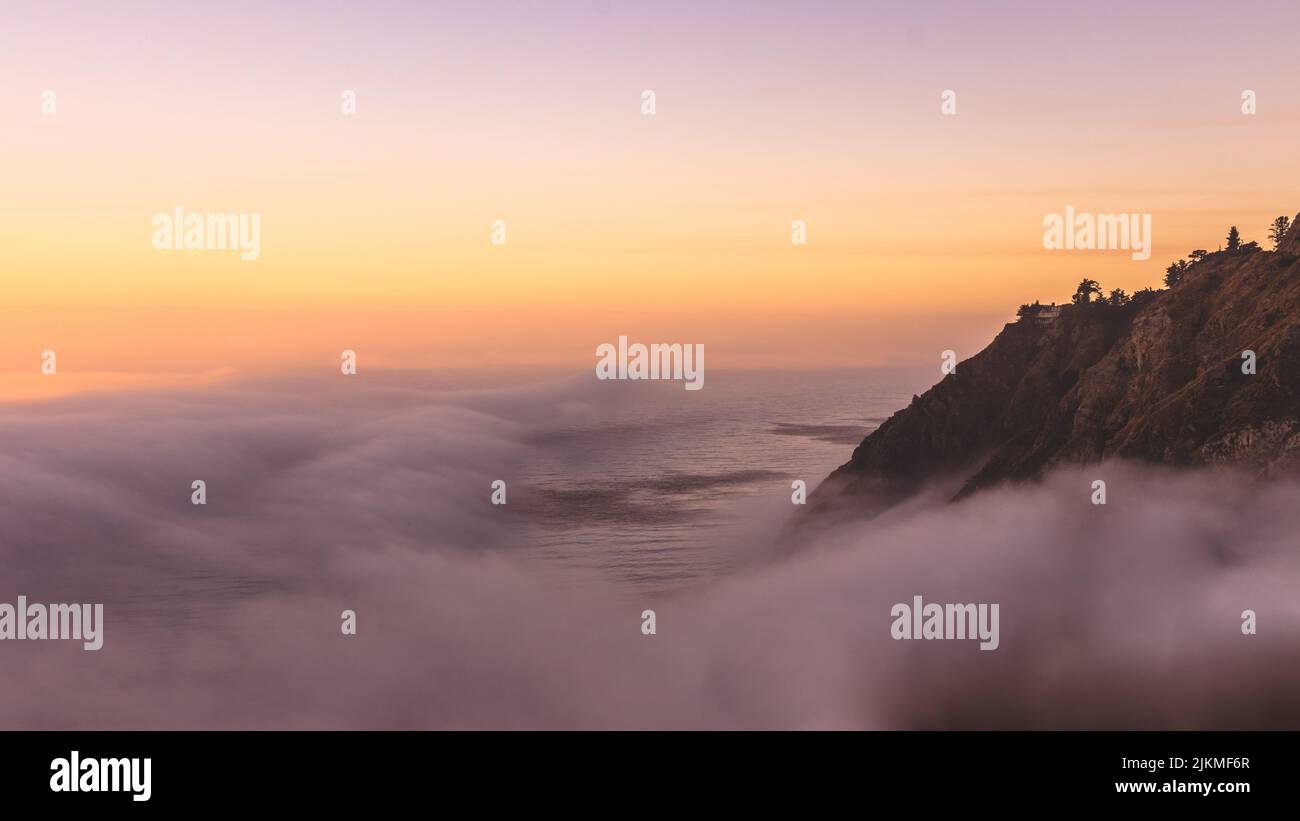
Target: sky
924,230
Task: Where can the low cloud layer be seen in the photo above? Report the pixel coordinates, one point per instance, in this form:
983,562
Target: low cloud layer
323,499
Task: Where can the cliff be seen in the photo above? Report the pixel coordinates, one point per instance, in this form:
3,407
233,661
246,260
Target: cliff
1159,379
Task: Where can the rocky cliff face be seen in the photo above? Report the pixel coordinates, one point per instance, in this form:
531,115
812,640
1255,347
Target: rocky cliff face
1158,380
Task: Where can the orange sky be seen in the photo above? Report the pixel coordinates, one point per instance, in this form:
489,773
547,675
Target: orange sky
924,231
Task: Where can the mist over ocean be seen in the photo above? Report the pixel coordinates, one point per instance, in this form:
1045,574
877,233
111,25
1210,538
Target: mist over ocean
657,488
373,496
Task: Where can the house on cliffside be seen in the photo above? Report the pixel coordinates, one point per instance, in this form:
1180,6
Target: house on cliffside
1039,314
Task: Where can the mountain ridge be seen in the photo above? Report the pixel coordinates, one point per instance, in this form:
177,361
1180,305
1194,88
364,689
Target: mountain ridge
1158,379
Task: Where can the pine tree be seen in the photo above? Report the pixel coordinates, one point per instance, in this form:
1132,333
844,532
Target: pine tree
1174,273
1278,230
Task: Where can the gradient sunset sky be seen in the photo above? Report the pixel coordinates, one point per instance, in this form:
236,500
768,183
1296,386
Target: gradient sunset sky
924,231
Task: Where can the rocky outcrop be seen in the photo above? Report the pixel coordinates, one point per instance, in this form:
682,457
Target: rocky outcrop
1160,379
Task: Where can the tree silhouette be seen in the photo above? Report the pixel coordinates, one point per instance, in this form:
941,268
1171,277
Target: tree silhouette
1118,297
1199,254
1278,230
1234,240
1174,273
1083,294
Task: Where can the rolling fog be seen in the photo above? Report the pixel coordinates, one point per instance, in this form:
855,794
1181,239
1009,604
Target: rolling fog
376,500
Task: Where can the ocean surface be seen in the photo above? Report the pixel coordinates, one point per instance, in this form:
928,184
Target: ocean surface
664,489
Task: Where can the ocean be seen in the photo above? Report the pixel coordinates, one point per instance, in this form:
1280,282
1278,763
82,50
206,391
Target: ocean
655,487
